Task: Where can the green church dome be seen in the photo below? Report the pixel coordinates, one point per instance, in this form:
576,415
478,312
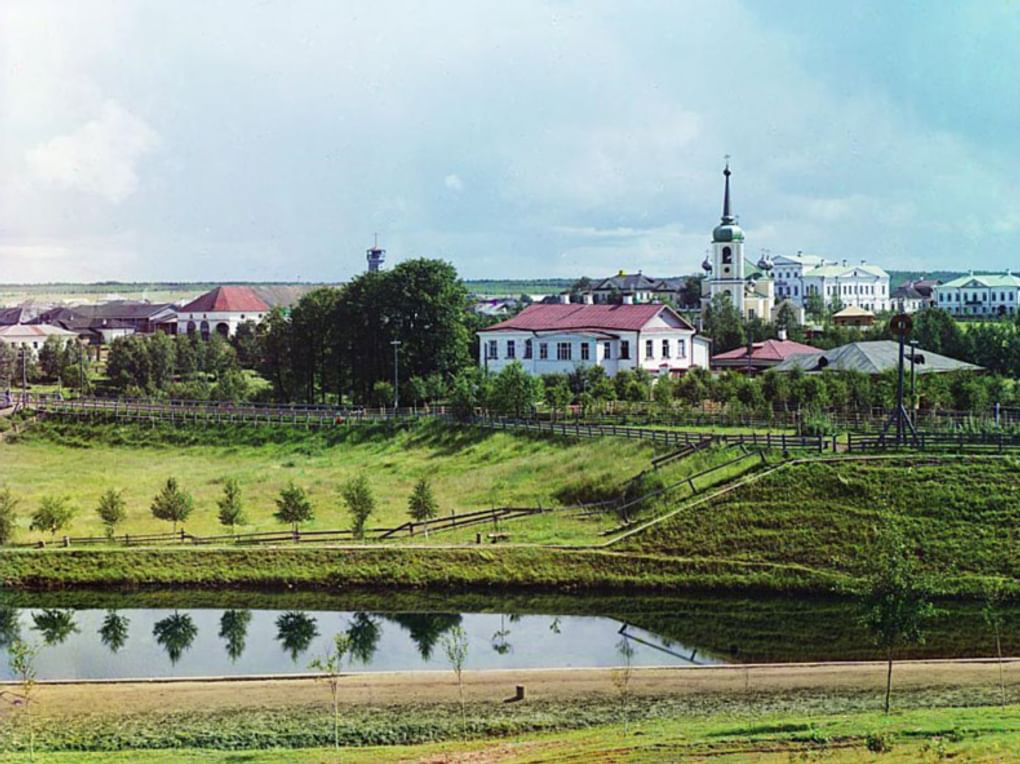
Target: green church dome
727,232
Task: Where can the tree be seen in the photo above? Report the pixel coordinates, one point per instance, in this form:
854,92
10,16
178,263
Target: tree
55,625
21,661
455,645
622,675
814,307
172,504
234,629
422,505
559,397
723,324
114,631
8,514
514,391
995,596
383,394
662,394
896,598
357,494
246,344
329,666
231,509
111,510
54,513
293,506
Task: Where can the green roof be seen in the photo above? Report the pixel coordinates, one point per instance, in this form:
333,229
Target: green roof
871,358
985,280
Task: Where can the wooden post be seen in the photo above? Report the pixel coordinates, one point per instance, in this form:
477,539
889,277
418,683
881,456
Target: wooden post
519,693
67,542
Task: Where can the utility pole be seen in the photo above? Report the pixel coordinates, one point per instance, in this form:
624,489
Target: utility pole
24,375
913,388
396,376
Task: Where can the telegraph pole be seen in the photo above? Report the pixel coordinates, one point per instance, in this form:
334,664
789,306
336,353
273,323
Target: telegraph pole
396,376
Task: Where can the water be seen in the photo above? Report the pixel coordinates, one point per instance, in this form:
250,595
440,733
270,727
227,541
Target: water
189,634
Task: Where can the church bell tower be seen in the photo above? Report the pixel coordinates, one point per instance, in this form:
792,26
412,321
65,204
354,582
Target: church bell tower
727,262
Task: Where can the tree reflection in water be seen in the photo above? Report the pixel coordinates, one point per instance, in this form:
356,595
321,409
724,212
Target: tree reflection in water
10,626
364,632
175,633
55,625
425,629
114,631
295,632
234,629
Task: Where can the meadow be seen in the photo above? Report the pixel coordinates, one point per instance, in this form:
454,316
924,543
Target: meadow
469,469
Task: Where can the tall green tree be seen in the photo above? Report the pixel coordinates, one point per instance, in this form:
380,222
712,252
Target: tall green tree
8,515
422,504
231,506
514,391
53,514
112,510
171,503
357,495
724,324
293,506
896,597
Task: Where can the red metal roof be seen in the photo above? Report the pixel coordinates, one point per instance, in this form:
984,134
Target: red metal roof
545,318
769,350
227,299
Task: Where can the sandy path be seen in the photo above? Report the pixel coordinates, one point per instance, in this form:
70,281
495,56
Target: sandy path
399,688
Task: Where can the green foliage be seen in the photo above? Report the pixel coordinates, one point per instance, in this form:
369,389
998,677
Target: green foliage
114,631
514,391
54,513
8,515
422,504
231,507
172,504
357,495
293,506
724,324
382,394
112,509
175,634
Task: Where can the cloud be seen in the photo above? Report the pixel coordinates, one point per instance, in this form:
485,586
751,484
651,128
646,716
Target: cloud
453,183
100,157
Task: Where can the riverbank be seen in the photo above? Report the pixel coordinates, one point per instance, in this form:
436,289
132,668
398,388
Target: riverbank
689,711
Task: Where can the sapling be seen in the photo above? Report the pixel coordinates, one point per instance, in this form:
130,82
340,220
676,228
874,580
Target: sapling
455,645
329,666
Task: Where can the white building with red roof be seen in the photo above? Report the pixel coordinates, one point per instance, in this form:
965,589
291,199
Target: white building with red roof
221,311
550,339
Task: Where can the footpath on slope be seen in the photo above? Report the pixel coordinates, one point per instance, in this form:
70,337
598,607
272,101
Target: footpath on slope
497,686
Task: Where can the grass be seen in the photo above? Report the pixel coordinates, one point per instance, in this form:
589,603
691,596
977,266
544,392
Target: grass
753,727
469,469
962,515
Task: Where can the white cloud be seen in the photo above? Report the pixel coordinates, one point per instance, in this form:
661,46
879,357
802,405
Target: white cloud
453,183
100,157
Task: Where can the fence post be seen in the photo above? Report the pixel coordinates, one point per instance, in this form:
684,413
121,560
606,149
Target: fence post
182,535
67,541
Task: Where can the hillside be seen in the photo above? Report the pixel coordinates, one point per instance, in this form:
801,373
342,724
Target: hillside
962,515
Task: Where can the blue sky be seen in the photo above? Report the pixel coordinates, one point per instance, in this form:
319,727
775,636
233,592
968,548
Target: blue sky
231,140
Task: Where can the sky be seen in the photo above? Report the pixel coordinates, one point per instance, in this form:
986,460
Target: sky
221,140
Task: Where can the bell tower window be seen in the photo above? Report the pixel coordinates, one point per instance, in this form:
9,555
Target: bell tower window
727,256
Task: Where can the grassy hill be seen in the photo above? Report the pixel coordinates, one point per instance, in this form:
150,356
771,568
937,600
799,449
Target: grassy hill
962,515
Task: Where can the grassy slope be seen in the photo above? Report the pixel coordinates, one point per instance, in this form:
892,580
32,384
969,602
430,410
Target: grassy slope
963,516
469,469
754,728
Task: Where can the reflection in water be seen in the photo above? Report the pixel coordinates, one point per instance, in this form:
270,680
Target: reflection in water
295,631
234,629
425,629
175,633
55,625
114,631
500,640
10,626
363,633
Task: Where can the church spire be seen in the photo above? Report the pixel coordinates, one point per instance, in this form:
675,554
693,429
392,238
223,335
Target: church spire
727,216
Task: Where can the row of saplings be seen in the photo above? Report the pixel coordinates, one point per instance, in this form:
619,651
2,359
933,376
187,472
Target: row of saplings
175,505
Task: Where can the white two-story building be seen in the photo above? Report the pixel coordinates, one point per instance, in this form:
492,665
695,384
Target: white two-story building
983,294
799,276
549,339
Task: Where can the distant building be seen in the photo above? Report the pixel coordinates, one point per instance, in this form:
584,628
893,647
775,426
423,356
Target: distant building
637,286
760,355
986,294
853,315
220,311
748,285
838,283
32,336
549,339
872,358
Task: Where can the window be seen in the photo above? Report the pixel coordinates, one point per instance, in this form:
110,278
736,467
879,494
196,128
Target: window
585,352
563,351
665,348
649,349
543,351
492,353
727,255
511,349
607,350
527,349
681,348
624,349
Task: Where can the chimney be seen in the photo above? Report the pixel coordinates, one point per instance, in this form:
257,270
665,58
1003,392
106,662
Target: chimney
844,263
782,335
565,298
588,298
628,299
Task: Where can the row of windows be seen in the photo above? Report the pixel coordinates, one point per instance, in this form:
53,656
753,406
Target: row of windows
975,296
981,310
565,350
854,289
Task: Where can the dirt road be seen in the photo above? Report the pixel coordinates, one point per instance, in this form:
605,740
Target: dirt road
403,688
